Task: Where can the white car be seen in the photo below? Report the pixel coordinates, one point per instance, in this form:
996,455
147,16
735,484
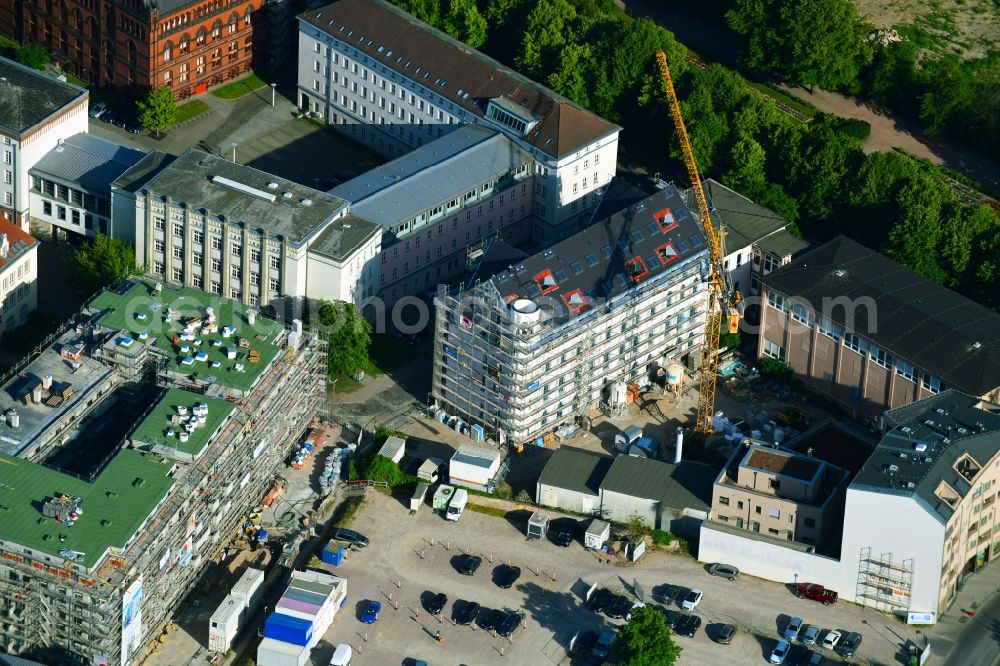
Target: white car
780,652
691,600
98,109
831,639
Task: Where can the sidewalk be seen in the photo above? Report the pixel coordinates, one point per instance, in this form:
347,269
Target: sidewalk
978,590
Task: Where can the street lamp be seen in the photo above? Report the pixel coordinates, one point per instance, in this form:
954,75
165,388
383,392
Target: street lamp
234,151
273,86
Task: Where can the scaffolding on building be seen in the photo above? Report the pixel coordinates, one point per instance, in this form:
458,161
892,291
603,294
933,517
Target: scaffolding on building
882,583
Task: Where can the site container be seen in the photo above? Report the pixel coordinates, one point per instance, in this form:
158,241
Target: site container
288,629
272,652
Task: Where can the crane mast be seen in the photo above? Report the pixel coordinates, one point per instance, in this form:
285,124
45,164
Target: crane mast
720,294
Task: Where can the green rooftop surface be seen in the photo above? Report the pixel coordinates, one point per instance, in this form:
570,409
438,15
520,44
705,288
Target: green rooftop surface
153,429
123,310
114,505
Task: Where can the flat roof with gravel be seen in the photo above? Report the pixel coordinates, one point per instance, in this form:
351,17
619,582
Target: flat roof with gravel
154,428
138,308
114,506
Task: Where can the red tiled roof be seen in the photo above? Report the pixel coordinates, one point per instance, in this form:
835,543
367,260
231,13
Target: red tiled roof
377,29
14,234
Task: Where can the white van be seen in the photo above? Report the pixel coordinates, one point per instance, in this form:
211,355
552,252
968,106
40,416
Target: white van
342,655
457,504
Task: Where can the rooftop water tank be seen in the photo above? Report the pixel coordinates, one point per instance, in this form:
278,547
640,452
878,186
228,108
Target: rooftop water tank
13,418
524,311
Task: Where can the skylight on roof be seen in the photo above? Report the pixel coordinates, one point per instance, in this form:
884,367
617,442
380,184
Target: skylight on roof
576,268
561,275
622,244
637,236
591,259
380,49
546,281
666,220
388,54
666,253
682,246
331,22
342,28
319,15
417,70
361,38
695,240
606,251
636,268
651,228
460,91
575,301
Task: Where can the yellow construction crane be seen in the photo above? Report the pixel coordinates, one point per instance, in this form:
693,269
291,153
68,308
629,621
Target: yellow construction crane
720,292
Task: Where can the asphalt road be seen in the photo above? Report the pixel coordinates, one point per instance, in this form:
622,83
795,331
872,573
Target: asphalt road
979,644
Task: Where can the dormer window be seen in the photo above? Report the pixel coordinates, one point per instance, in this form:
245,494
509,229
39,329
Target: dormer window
636,269
667,253
947,494
665,218
546,281
967,467
510,115
575,301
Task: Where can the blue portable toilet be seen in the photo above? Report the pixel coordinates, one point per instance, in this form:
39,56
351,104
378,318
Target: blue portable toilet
477,432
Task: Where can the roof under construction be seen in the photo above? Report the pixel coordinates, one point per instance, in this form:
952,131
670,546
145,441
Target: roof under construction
113,507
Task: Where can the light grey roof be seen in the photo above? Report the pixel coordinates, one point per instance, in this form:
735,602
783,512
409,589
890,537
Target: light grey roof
431,175
28,97
575,469
746,222
89,160
344,236
684,486
245,195
143,171
475,455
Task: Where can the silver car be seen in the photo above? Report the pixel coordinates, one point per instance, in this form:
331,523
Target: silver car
724,570
793,628
810,635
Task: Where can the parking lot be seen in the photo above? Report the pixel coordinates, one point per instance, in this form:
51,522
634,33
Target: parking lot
413,558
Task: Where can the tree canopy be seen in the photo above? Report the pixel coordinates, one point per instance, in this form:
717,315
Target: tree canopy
34,56
101,262
646,640
158,111
349,336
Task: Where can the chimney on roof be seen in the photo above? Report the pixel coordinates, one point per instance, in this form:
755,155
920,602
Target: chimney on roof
4,245
809,452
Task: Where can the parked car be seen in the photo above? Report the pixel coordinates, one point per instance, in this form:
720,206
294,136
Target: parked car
565,532
810,635
584,644
469,565
492,619
96,110
688,625
797,656
350,536
467,612
724,634
816,659
779,652
133,126
724,570
691,600
437,604
831,639
849,644
604,642
109,115
672,617
793,628
509,624
816,593
619,607
121,120
371,612
506,575
601,599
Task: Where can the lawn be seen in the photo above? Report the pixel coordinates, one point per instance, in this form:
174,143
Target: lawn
239,88
793,103
189,110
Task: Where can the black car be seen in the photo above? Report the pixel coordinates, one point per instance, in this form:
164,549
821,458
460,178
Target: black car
133,126
469,565
619,607
467,612
350,536
672,617
688,625
848,644
491,619
724,634
437,604
565,531
509,624
601,599
109,116
584,643
798,655
506,575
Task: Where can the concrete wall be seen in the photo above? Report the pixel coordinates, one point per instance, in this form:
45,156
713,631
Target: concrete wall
621,508
562,498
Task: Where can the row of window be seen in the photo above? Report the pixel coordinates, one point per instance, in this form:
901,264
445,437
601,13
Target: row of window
11,278
215,286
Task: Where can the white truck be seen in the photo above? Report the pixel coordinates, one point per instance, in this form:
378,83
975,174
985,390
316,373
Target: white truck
457,504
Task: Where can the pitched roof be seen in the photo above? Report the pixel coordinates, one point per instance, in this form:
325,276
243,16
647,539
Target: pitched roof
921,444
449,68
575,469
932,327
29,97
598,261
746,222
20,243
687,485
89,160
431,175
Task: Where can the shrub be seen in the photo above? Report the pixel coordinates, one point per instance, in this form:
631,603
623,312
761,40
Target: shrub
771,368
855,128
661,537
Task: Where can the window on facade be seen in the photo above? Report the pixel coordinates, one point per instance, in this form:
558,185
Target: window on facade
830,329
931,383
216,243
809,522
905,370
216,264
236,272
196,258
774,350
881,357
178,253
158,245
724,501
273,284
855,343
255,254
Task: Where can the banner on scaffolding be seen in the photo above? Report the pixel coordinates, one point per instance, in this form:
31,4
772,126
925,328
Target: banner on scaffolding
131,620
165,560
184,554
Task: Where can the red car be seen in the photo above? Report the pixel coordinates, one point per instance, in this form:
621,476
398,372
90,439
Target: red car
816,593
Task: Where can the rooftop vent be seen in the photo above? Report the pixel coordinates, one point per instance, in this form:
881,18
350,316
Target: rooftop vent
893,469
963,431
243,189
911,485
272,185
307,202
287,195
840,273
977,344
906,430
929,423
920,447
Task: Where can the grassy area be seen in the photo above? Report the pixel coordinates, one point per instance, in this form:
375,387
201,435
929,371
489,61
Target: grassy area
387,353
790,101
344,384
239,88
75,81
488,510
189,110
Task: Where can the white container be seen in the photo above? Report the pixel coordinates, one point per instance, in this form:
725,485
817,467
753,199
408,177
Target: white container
249,588
457,504
225,624
277,653
342,655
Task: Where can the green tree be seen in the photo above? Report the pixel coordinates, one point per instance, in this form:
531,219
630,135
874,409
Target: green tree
34,56
915,239
428,11
646,640
158,111
349,336
101,262
747,174
464,22
545,33
948,98
893,78
569,78
963,227
809,42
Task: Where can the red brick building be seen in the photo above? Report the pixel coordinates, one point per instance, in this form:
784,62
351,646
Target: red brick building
187,45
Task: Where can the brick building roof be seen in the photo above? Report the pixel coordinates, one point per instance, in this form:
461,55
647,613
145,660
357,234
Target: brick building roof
20,243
